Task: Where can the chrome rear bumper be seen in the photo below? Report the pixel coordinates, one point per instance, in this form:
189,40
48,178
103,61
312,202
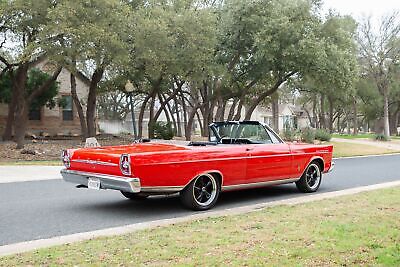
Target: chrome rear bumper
125,184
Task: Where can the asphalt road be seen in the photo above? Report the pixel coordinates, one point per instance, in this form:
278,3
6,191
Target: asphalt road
43,209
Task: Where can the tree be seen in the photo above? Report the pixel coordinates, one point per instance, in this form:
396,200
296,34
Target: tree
23,22
36,78
90,37
380,53
332,83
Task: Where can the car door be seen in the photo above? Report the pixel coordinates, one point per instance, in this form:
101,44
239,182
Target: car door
268,162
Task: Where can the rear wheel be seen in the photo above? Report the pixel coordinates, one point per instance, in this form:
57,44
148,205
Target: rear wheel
202,193
134,196
311,178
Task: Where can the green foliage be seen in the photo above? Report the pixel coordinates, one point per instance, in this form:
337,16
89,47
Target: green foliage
163,130
308,135
36,78
5,88
322,135
381,137
289,134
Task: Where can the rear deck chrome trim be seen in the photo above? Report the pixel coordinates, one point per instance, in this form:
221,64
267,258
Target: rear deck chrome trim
260,184
126,184
86,161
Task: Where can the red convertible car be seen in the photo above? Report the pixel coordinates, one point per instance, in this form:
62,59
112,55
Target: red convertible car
238,155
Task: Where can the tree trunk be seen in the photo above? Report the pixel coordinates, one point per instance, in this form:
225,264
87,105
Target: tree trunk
184,109
266,93
189,126
232,109
78,105
355,119
238,114
220,114
331,110
394,120
91,103
141,115
322,113
152,121
178,117
386,130
8,131
275,113
200,124
20,127
21,107
168,108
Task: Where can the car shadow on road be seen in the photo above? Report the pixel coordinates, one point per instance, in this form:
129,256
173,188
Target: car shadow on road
170,206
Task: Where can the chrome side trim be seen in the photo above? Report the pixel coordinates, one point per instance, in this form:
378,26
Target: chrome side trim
260,184
231,158
126,184
87,161
161,189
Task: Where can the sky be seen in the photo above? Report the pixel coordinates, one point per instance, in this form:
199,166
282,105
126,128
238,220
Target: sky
359,8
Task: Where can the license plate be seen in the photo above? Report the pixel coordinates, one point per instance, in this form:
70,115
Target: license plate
94,183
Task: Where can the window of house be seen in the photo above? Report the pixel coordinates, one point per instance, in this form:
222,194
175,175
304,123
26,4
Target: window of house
35,114
67,112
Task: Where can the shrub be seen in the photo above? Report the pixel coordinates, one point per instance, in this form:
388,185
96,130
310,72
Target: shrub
322,135
289,134
163,130
308,135
380,137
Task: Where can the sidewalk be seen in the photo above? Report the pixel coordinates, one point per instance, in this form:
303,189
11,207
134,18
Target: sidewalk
388,145
10,174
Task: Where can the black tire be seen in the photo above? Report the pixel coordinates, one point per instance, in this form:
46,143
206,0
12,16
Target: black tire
202,193
134,196
311,178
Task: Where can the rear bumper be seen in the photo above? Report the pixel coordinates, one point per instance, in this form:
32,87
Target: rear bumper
125,184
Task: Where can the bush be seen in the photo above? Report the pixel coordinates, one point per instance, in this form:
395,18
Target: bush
289,134
163,130
322,135
308,135
380,137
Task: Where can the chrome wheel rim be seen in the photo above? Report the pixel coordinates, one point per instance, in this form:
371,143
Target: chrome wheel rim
204,189
313,176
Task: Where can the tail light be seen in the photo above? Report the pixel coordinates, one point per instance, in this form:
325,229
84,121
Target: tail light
66,158
125,164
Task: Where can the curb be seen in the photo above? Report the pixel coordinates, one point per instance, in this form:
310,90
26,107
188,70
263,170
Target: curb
66,239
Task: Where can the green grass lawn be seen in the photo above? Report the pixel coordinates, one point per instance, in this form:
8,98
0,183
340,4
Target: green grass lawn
362,229
350,136
343,149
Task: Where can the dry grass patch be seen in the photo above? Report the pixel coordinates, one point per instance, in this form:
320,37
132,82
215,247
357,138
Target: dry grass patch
343,149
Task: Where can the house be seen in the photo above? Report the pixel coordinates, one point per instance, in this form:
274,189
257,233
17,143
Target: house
290,115
58,120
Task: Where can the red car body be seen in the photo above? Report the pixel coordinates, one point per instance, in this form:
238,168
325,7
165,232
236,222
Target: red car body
156,168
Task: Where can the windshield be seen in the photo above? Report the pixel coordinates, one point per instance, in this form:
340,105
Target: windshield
239,132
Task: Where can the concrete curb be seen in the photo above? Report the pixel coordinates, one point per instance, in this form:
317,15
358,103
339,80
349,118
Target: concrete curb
60,240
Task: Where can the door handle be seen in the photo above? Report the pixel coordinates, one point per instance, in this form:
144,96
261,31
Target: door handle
249,149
